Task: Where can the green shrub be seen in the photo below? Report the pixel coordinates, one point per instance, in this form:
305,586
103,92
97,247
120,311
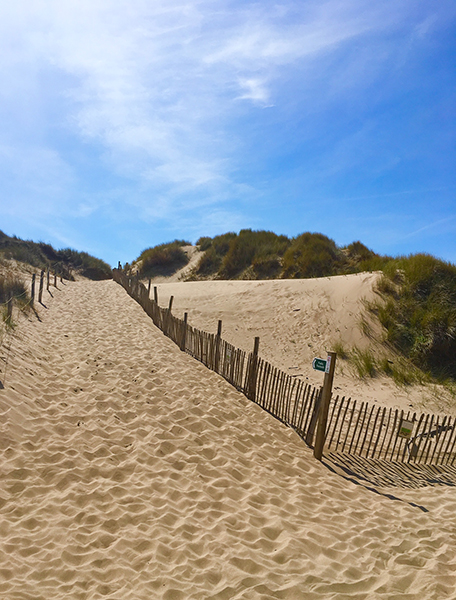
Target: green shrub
312,255
358,252
419,311
43,255
164,259
11,286
221,243
89,266
261,250
339,348
22,251
210,262
204,243
266,267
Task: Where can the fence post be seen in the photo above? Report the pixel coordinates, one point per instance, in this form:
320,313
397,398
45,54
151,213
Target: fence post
47,279
9,313
155,294
32,291
324,406
148,288
184,333
168,315
217,346
252,372
40,293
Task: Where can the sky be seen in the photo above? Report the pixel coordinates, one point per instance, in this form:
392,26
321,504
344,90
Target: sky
129,123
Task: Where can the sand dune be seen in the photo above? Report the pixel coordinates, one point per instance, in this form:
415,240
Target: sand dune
129,471
298,320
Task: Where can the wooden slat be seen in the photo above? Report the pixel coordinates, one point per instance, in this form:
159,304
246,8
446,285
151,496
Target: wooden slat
451,452
376,428
306,410
392,432
342,422
439,440
424,438
446,454
412,447
355,429
428,446
335,403
368,428
347,433
396,436
298,400
313,418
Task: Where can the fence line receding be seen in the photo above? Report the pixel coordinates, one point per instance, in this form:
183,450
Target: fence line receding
353,428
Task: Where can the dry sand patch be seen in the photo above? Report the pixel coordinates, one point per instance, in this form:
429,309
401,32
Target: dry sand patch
128,470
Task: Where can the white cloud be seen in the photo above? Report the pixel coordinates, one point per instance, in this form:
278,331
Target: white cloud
254,89
156,84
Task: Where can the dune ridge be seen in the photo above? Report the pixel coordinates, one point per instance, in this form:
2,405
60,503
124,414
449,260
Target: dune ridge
128,470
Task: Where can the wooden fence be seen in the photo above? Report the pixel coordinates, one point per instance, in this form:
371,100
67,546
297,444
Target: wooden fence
352,427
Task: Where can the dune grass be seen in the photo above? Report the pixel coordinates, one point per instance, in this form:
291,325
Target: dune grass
418,311
42,256
265,255
164,259
417,293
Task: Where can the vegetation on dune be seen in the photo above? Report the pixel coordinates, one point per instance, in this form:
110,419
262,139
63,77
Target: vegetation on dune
418,311
215,250
417,305
42,256
87,265
359,258
11,286
266,255
259,250
164,259
312,255
249,254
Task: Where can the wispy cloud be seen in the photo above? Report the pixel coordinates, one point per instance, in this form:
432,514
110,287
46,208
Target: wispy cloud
157,94
154,83
439,223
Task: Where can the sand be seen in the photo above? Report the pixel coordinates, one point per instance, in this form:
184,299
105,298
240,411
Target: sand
130,471
299,320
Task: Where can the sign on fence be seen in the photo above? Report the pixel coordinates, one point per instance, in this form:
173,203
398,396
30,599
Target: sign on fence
405,429
319,364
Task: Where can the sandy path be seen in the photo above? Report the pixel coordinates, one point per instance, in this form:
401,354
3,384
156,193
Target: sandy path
129,471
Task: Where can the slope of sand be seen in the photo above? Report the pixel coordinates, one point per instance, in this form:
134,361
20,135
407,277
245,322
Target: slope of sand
298,320
129,471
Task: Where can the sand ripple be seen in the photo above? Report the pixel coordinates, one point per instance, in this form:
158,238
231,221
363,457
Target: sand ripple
129,471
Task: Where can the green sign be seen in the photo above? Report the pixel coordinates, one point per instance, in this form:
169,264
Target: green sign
405,429
319,364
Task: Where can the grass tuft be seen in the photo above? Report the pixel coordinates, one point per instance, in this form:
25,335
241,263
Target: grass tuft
164,259
364,363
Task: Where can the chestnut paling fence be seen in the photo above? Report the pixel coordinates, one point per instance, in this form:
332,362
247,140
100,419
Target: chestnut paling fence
353,427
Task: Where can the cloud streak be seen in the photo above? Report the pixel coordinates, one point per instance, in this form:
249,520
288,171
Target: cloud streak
157,96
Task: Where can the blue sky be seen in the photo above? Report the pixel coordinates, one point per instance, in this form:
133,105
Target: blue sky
128,123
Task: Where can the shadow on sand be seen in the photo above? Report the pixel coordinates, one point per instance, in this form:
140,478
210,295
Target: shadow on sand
387,474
